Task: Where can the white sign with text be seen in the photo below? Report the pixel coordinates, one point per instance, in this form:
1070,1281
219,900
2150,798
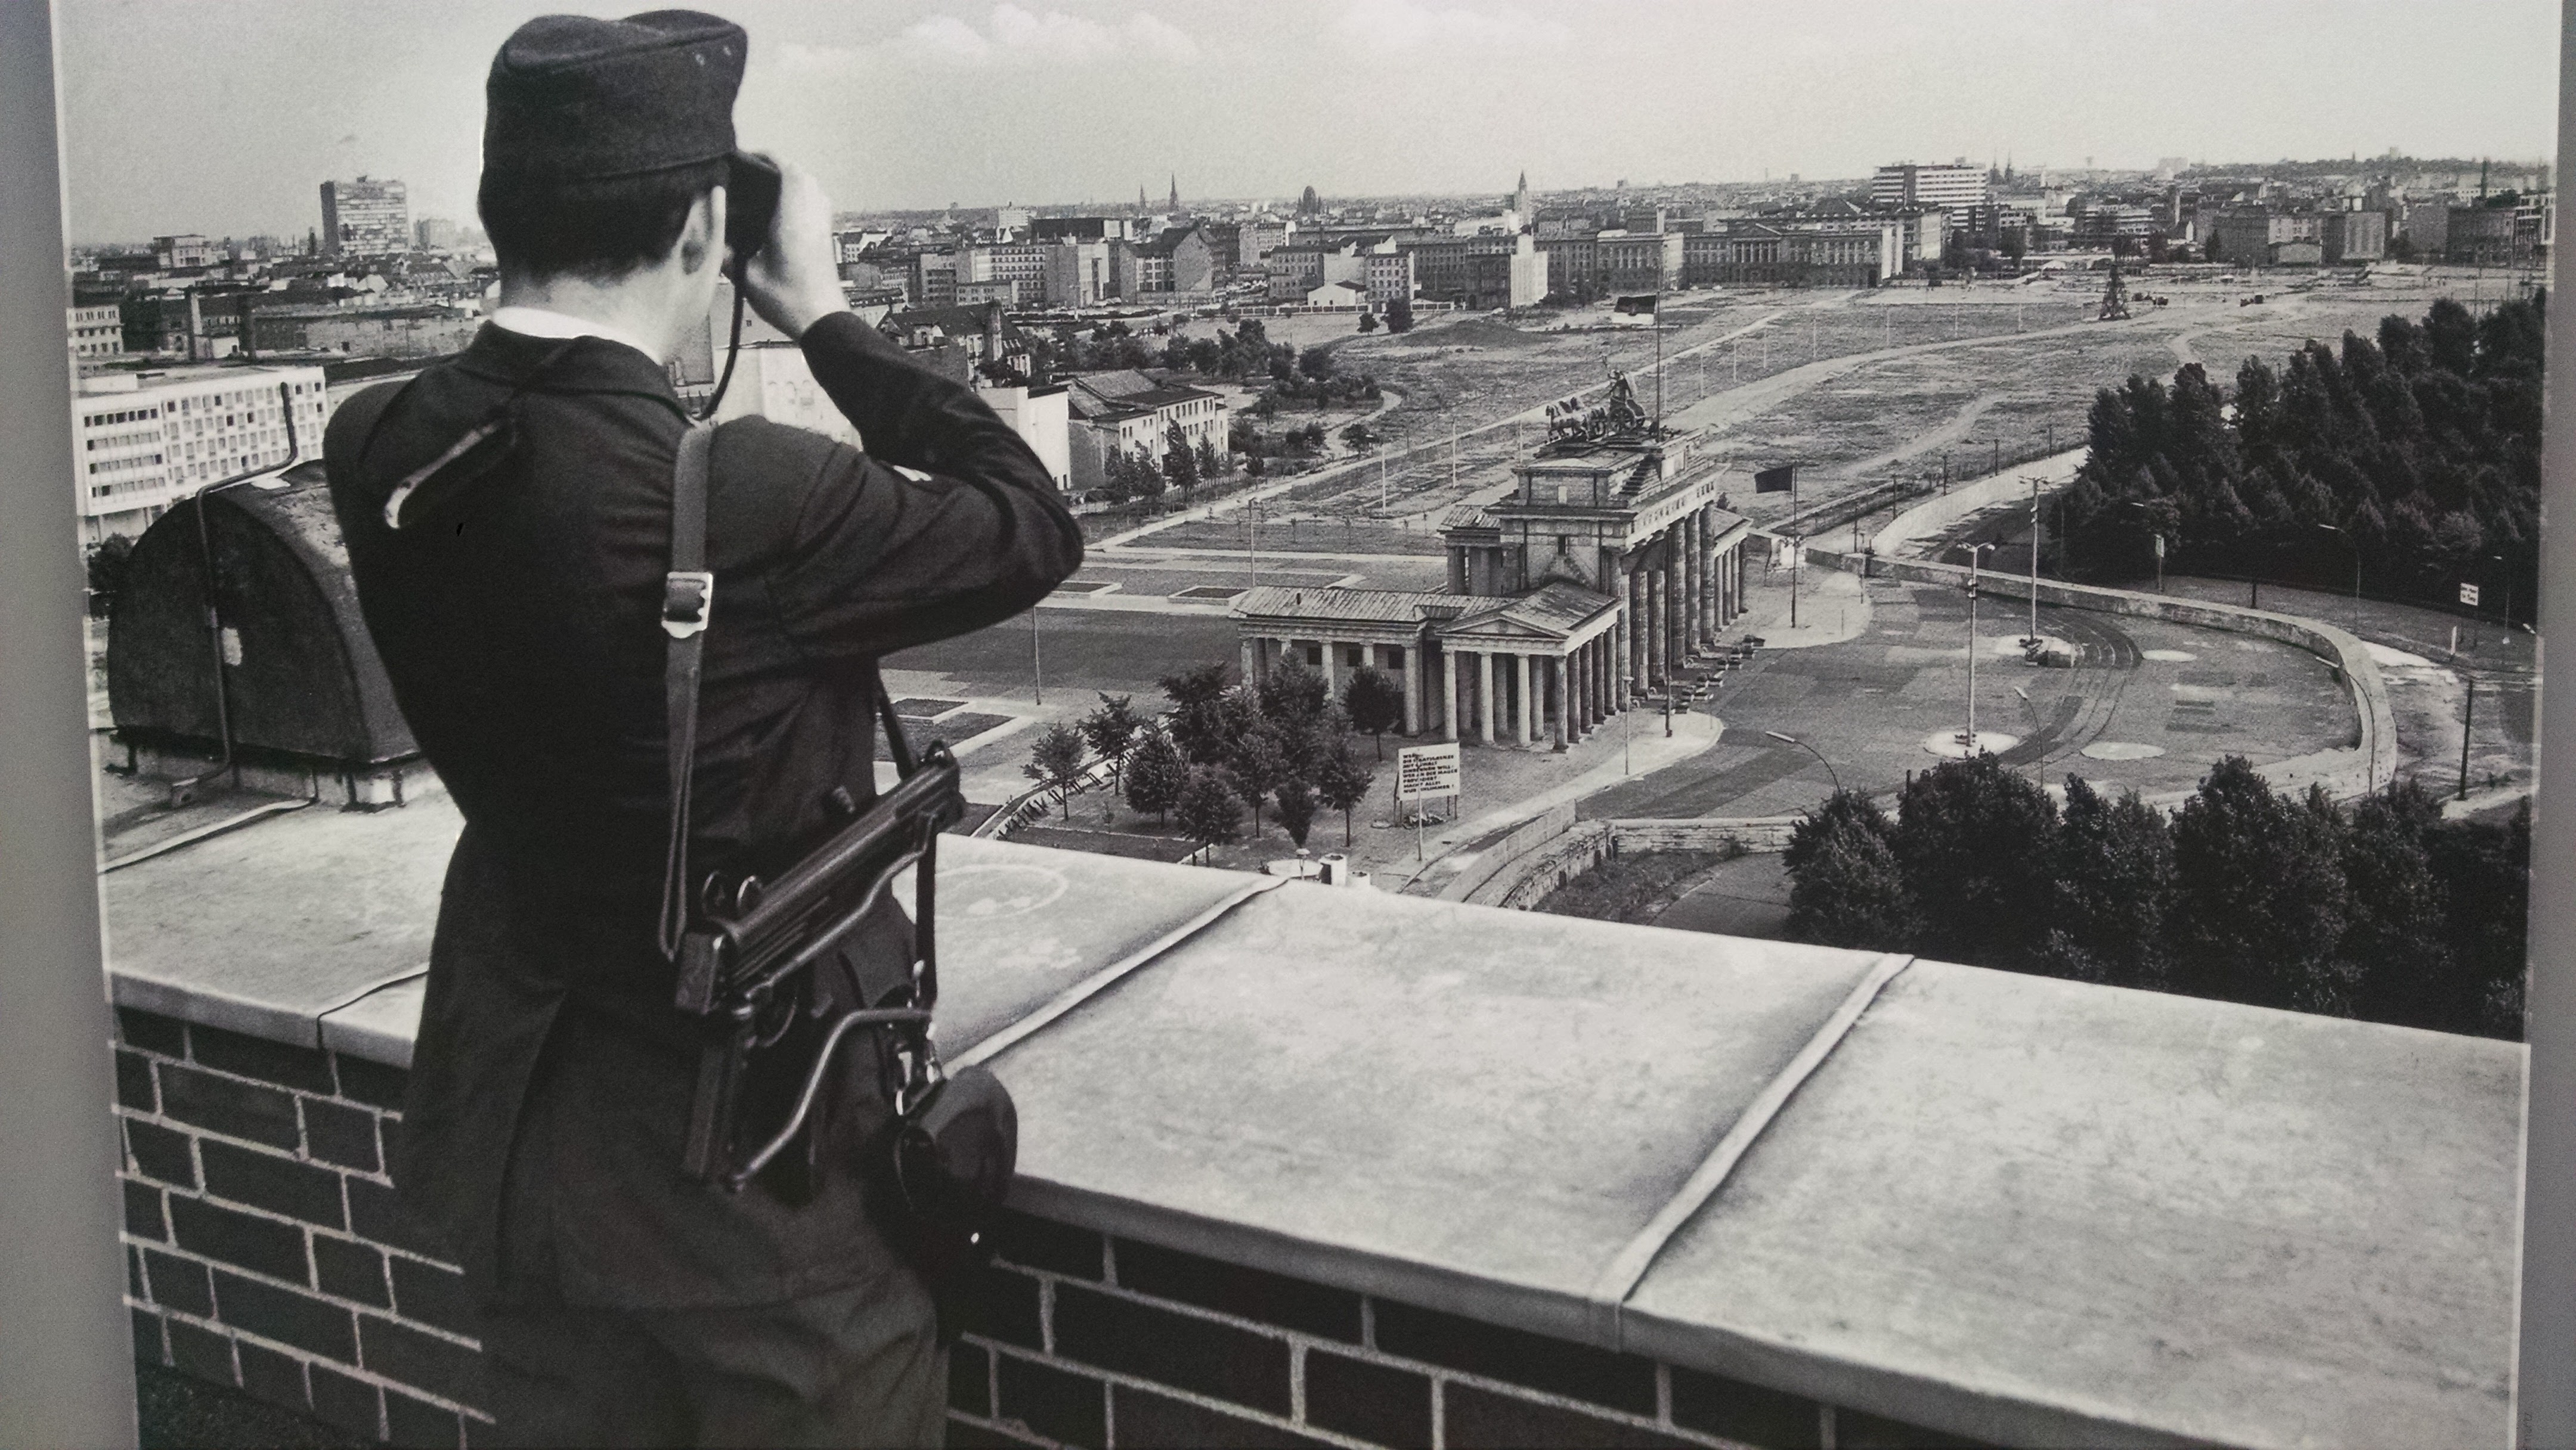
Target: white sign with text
1426,770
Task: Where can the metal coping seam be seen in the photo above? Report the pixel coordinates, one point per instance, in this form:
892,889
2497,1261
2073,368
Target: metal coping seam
1100,981
1620,1277
191,837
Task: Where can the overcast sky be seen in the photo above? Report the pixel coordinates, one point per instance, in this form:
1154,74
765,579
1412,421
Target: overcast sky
223,116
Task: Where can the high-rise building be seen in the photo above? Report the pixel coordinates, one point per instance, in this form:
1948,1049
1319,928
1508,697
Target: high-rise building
365,218
1948,187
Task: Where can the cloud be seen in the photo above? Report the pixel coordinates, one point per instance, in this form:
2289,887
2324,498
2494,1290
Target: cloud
1403,25
1014,37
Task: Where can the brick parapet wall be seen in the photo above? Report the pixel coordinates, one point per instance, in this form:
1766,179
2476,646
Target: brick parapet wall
1103,1341
264,1250
263,1246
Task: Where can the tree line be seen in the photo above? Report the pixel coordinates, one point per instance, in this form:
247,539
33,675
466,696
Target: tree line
1282,743
2414,458
2384,912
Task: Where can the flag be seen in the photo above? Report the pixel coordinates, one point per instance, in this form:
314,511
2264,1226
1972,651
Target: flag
1774,480
1634,305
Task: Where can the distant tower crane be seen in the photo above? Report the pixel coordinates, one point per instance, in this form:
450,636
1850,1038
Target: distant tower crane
2115,297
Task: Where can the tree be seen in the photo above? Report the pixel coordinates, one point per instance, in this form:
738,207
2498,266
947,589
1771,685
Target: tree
1110,731
1399,314
1055,760
1146,475
2112,883
2485,871
1316,362
1258,761
1972,838
1292,695
1845,889
1180,464
1342,782
1296,808
1375,703
2397,937
111,564
1209,464
2261,905
1208,810
1198,712
1156,775
1368,322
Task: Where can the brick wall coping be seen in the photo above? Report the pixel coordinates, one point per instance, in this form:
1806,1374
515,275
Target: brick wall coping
2026,1210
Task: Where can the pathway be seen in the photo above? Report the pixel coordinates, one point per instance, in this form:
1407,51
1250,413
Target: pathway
1937,515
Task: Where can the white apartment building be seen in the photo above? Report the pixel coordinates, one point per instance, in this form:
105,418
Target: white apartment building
95,332
148,439
1024,264
1952,188
1390,276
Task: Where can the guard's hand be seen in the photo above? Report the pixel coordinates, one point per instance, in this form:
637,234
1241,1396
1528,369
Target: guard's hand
795,280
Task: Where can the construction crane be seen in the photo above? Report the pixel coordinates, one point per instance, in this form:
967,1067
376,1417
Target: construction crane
2115,297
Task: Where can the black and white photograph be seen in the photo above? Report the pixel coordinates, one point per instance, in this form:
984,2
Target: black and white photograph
1384,723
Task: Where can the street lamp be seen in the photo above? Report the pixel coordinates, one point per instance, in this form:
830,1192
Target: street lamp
1969,740
1811,750
2032,641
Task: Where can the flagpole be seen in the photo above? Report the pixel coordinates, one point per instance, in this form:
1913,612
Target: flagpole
1655,319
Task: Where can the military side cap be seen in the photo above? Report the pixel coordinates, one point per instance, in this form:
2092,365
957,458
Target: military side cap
572,98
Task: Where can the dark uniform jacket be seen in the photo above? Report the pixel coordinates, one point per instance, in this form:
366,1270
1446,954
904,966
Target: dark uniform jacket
519,621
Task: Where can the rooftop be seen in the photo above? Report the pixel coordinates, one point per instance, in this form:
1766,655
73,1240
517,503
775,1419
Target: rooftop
2027,1210
1554,608
1371,606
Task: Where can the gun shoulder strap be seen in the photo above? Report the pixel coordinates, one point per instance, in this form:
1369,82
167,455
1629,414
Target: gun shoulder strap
688,602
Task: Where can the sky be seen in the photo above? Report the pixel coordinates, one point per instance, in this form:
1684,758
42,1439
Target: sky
224,116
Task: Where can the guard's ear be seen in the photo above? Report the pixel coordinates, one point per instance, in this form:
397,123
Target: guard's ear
702,235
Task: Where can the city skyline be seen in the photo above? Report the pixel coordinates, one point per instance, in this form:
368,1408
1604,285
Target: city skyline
1039,104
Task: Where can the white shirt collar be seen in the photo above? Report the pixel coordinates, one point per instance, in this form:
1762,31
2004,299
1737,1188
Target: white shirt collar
544,322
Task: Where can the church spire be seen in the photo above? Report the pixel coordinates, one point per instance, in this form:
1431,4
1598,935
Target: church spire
1176,191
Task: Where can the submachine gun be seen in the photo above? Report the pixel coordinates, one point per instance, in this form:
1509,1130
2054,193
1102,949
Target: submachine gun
748,971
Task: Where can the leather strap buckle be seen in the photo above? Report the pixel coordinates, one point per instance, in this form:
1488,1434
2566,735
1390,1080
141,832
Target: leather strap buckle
688,597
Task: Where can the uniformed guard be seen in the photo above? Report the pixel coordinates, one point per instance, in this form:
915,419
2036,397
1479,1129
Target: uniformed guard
508,518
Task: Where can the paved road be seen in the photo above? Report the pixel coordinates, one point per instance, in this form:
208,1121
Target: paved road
2149,705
